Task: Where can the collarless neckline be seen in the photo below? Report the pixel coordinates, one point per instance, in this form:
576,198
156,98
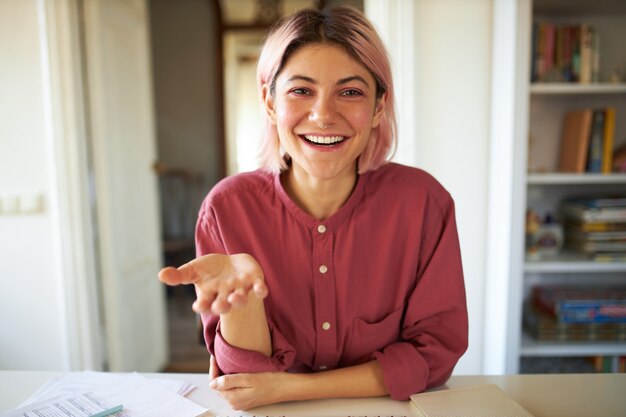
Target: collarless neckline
310,221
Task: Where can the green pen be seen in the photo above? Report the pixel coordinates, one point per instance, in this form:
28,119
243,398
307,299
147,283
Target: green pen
108,411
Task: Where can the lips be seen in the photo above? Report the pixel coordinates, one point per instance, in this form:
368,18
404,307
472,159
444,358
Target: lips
324,140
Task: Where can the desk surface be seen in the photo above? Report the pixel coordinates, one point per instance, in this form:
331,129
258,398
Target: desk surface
597,395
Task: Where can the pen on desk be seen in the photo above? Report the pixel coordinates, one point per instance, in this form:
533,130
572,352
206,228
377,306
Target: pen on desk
108,411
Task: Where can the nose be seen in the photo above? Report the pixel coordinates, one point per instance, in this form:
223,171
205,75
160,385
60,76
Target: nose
323,111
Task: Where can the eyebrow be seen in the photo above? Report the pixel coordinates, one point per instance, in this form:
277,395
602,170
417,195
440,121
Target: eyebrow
340,82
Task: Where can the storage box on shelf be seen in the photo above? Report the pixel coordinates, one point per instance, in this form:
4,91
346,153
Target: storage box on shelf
572,263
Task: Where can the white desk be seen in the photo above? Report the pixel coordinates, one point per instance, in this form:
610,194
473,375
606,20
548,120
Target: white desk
592,395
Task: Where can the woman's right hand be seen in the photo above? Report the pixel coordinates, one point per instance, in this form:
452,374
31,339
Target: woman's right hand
222,281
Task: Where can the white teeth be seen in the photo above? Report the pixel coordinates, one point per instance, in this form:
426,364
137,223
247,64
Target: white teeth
326,140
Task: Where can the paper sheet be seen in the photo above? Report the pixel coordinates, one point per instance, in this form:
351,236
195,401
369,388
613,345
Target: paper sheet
141,397
83,405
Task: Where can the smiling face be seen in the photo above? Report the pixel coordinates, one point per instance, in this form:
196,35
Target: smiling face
324,107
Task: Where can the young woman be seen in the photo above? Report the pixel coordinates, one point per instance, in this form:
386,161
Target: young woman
329,272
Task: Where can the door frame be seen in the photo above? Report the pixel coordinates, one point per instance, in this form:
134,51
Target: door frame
71,198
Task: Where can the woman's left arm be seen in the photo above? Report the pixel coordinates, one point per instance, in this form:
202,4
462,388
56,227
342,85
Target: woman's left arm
245,391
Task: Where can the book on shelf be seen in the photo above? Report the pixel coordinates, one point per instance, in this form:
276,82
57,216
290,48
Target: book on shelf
611,235
594,210
596,227
608,139
608,256
590,247
608,364
564,53
546,327
581,304
587,138
575,140
596,139
599,227
589,54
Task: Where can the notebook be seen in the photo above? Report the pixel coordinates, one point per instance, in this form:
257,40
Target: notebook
473,401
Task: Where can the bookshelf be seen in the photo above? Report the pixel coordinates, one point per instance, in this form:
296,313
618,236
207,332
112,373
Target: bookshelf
543,187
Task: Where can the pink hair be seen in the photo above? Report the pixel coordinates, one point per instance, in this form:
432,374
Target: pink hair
350,29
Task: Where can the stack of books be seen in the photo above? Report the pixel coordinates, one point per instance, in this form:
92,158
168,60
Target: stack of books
596,227
564,53
576,314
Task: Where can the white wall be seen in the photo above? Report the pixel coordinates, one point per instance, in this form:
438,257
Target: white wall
444,81
31,302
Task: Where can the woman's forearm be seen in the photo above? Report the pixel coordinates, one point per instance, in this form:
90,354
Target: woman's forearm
246,327
365,380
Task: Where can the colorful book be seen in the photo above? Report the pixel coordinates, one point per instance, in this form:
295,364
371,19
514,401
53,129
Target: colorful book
543,326
583,304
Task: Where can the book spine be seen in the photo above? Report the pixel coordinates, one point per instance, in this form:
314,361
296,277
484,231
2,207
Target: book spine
609,134
594,160
586,54
575,53
566,69
550,50
569,311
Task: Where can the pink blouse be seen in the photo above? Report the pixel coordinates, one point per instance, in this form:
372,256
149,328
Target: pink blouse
380,279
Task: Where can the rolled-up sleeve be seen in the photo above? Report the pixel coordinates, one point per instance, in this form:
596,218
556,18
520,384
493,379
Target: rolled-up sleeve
231,359
434,331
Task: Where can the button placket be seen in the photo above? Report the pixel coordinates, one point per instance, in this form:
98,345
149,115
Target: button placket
325,298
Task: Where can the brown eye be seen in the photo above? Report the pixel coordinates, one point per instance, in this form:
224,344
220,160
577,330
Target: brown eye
301,91
351,93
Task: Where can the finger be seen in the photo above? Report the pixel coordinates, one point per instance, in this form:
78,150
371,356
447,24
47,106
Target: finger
196,270
260,289
220,305
185,274
170,276
214,371
238,298
228,382
203,304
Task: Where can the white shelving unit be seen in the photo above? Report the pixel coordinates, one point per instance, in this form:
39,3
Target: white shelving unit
544,188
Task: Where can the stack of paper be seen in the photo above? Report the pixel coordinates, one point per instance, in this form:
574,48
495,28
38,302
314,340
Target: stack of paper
86,393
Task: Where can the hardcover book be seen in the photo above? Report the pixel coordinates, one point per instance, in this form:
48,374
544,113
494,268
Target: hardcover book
575,140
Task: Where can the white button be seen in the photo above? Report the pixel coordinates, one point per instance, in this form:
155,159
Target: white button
326,325
321,228
323,269
323,368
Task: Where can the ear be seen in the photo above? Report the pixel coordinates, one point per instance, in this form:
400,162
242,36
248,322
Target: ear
379,109
269,103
